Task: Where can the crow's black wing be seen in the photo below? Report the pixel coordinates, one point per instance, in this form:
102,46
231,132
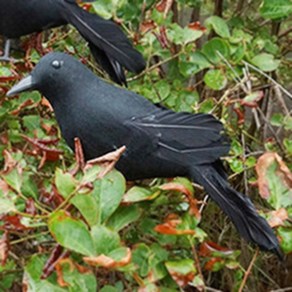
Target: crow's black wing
182,137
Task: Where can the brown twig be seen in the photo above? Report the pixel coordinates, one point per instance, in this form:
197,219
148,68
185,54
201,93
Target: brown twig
247,273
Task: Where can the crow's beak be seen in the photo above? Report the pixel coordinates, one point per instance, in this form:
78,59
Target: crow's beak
23,85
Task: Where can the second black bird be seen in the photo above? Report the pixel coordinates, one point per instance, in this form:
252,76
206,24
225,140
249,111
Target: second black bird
107,42
159,142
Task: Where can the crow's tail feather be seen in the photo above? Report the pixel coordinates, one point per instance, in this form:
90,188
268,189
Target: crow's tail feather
112,67
106,36
238,208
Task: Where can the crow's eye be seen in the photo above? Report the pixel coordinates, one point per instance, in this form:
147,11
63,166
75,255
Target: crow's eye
57,64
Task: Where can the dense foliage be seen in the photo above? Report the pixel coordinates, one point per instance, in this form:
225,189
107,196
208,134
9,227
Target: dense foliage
86,231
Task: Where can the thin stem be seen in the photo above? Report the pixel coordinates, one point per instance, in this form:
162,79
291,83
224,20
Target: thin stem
247,273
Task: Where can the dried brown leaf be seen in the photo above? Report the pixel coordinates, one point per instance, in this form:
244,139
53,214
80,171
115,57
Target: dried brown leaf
107,262
278,217
263,164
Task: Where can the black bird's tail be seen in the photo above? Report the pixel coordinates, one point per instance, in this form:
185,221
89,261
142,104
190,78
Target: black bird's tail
104,36
237,207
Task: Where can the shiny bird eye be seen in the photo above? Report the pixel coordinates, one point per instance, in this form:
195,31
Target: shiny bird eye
57,64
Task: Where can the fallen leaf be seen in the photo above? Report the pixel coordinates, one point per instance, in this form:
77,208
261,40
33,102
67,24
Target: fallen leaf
4,248
9,163
25,104
182,271
30,207
210,264
240,115
278,217
174,186
13,223
164,6
147,25
197,26
208,248
252,99
282,172
169,227
4,187
40,148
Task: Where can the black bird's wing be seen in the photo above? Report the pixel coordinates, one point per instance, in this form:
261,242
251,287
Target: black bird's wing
106,36
184,138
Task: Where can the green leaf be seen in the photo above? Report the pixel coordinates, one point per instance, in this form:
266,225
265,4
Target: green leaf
277,120
215,79
32,122
65,183
212,47
182,36
6,206
163,88
14,179
108,192
181,267
141,257
33,272
285,234
5,72
138,194
103,8
288,145
124,216
193,63
78,281
71,233
118,254
109,288
207,105
91,174
275,9
88,207
288,123
104,240
219,25
265,62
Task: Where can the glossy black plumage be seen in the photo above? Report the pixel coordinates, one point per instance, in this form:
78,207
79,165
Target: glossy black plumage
109,45
160,142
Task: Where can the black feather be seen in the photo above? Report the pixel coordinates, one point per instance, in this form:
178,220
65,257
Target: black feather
238,207
105,35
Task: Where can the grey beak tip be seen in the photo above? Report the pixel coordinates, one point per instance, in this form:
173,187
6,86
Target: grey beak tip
23,85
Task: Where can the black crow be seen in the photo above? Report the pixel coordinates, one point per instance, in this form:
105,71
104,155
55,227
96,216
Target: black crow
159,142
107,42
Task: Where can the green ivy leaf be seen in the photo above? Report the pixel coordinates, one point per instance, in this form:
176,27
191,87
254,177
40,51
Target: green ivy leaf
212,47
219,25
215,79
265,62
182,36
275,9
